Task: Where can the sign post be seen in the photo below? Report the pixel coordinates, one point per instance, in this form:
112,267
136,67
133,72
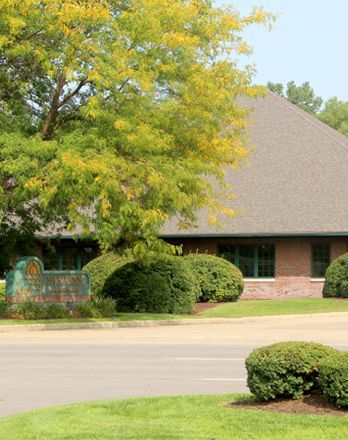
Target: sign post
29,282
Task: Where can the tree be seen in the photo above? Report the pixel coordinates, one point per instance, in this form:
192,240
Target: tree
335,114
114,112
303,96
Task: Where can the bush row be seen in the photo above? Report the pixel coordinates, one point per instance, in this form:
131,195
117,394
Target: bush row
292,369
97,308
164,283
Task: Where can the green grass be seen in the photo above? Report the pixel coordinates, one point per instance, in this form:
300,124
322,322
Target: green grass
239,309
186,418
117,317
297,306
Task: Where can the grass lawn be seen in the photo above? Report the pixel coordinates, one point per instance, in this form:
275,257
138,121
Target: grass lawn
187,418
292,306
229,310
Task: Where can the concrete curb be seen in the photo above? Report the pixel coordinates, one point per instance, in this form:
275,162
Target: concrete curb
158,323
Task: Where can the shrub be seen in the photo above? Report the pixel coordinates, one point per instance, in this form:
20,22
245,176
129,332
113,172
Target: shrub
84,310
97,308
54,311
336,278
4,309
157,284
101,268
285,369
2,291
28,310
218,279
333,378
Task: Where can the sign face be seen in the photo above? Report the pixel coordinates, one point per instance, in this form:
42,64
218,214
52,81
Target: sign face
29,282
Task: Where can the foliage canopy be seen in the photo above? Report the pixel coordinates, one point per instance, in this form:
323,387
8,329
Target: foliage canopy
113,112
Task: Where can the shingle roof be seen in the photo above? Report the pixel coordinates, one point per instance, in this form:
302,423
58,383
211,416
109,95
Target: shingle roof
296,182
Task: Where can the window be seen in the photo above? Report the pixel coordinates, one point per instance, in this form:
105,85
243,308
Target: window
69,258
320,259
254,261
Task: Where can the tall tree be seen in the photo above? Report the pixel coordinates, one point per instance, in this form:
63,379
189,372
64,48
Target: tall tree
114,112
335,114
303,95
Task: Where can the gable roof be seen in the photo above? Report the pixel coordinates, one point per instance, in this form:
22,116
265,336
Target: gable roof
296,182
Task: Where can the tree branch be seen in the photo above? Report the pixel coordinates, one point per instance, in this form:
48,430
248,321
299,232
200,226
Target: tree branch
73,93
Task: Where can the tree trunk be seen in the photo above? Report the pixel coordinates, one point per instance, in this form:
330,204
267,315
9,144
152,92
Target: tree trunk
53,112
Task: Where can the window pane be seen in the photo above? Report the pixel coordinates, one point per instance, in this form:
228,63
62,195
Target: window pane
246,260
51,261
69,258
227,252
266,263
320,259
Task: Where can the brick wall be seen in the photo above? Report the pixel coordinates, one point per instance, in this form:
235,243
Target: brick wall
292,264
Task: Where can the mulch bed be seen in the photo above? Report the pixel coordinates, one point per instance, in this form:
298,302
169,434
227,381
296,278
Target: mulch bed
312,404
200,307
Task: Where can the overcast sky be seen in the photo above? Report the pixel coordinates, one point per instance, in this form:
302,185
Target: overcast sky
308,43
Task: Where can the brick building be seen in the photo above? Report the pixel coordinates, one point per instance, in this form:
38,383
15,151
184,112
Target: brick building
292,202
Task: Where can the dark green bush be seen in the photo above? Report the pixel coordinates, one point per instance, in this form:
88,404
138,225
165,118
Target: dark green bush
336,278
218,279
157,284
4,309
285,369
333,378
101,268
97,308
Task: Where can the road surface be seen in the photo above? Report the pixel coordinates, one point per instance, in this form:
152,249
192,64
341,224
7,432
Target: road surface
40,369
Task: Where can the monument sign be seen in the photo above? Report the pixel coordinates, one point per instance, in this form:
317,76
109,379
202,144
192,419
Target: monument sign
29,282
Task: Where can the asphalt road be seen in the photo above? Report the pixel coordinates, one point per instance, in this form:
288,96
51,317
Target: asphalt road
40,369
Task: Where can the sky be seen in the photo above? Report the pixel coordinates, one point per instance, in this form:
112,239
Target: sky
309,42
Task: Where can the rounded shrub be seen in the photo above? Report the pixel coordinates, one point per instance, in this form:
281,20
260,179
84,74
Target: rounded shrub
336,278
156,284
218,279
285,369
333,379
101,268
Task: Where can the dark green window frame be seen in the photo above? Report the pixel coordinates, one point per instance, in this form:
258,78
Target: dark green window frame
78,258
320,259
259,259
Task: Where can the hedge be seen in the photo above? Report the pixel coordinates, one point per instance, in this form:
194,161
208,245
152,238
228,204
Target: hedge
336,278
101,268
333,378
285,369
157,284
218,279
